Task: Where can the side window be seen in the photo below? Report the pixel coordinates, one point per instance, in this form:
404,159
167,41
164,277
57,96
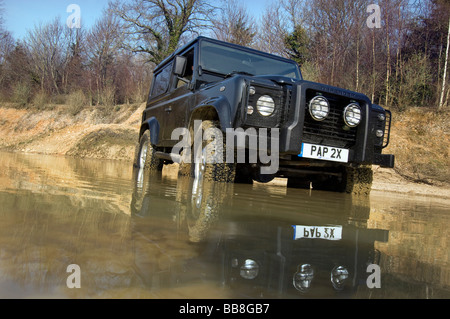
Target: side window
162,80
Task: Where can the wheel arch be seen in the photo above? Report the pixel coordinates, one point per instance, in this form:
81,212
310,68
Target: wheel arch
153,126
217,109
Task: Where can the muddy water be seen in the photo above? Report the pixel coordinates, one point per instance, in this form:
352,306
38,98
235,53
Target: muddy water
157,237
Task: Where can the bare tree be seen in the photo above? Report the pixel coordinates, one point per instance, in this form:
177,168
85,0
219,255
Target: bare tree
156,27
6,46
295,12
6,43
1,15
331,24
47,45
235,24
104,42
272,30
444,78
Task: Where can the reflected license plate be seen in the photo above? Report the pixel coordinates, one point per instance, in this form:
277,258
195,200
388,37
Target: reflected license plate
327,153
318,232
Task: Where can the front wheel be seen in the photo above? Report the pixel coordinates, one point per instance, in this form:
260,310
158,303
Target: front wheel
145,157
358,180
208,156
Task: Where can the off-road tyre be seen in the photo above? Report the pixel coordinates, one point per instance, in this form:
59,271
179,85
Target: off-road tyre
358,180
213,170
145,157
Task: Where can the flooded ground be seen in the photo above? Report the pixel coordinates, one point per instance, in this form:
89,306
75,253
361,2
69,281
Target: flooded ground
68,223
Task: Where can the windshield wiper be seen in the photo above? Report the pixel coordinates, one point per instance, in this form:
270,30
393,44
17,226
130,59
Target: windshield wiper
238,72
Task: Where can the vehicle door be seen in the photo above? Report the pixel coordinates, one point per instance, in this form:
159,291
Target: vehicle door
160,97
181,98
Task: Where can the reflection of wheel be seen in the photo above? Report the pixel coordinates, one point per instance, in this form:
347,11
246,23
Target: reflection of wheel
208,167
145,154
143,183
205,207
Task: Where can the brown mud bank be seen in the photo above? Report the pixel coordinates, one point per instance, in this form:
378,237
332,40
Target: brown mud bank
419,139
92,133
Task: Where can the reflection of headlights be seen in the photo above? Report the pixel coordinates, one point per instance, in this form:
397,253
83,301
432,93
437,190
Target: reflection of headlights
303,277
319,107
339,276
352,115
250,269
265,105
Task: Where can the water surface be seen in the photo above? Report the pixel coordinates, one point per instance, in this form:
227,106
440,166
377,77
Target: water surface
156,237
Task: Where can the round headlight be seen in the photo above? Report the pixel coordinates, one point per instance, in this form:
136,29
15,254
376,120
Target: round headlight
319,107
303,277
265,105
379,133
339,276
250,269
352,115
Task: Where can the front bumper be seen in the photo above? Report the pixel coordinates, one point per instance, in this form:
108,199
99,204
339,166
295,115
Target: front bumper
384,160
363,145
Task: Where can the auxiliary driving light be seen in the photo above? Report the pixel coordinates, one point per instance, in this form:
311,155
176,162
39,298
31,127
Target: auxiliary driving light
250,269
303,277
339,276
319,107
352,115
265,105
379,133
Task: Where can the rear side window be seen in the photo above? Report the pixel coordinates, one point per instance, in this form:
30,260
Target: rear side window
162,80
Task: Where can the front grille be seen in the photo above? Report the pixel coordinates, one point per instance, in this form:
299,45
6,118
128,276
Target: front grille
332,131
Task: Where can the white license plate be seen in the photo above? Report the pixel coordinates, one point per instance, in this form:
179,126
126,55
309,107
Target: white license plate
318,232
326,153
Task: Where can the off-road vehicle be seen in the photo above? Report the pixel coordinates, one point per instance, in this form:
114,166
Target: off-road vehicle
275,123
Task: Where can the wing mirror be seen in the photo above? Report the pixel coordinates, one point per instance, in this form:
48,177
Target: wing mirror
179,69
179,66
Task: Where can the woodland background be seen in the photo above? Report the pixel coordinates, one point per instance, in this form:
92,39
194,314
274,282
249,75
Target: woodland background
400,64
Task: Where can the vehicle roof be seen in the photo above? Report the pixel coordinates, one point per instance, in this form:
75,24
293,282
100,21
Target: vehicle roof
203,38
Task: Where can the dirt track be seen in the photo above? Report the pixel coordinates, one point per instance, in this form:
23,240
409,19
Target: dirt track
112,135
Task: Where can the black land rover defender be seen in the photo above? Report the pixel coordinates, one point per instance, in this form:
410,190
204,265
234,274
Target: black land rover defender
230,113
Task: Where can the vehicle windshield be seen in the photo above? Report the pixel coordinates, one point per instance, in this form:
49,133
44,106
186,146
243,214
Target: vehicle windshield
226,60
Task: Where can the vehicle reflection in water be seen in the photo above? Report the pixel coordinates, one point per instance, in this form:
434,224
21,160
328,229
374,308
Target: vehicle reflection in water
245,242
57,211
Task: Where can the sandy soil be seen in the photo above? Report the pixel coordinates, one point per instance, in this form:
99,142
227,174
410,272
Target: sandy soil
94,135
389,180
58,133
